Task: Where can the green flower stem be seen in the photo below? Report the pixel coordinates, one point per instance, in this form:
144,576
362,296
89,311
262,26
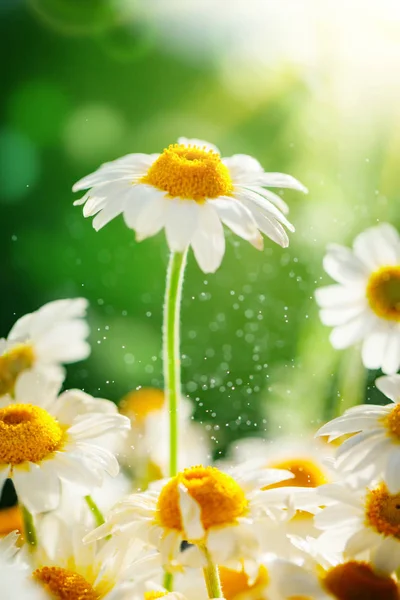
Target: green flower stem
97,514
29,527
171,353
211,577
168,581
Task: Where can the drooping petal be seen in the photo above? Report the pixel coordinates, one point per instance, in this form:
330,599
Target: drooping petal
208,242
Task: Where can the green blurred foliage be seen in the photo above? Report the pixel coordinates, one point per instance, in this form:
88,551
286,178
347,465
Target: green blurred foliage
82,87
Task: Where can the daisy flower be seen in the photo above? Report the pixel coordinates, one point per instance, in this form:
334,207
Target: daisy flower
302,458
351,580
142,451
365,303
364,523
67,568
45,439
190,191
215,512
40,342
375,449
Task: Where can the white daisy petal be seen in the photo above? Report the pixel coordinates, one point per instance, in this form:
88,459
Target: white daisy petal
191,514
38,489
244,169
361,541
182,220
378,246
239,219
265,206
208,242
341,264
339,296
151,219
386,558
272,197
281,180
392,471
351,332
374,347
391,357
390,386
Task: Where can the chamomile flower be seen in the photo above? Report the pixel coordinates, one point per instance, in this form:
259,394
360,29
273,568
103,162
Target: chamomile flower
215,512
142,451
348,580
375,449
303,459
45,439
66,568
190,191
365,303
40,342
364,523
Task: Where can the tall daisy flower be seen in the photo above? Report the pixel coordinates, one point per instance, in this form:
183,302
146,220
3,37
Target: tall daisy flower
45,439
347,580
215,512
190,191
364,523
40,342
364,305
142,451
374,450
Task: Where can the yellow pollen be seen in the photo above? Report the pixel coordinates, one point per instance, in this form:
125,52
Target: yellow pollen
13,363
383,293
154,595
382,511
221,499
65,585
140,403
236,586
357,581
190,173
392,421
10,520
306,473
27,434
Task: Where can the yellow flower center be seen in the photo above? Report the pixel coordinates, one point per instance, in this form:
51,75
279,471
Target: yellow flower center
220,498
65,585
236,586
190,173
140,403
392,421
357,581
13,363
154,595
306,473
10,520
27,434
382,511
383,293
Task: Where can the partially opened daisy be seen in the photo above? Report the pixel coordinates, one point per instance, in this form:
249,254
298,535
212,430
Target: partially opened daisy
364,523
375,449
45,439
365,303
216,512
190,191
40,342
347,580
65,568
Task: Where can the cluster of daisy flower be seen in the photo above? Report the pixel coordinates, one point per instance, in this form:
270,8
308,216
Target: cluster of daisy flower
103,512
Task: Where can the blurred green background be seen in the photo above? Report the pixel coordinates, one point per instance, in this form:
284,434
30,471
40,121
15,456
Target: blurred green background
308,87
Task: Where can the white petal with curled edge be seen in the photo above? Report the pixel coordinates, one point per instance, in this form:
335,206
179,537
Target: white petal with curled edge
191,514
390,386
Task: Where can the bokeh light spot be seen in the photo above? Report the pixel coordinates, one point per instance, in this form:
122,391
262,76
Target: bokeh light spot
19,165
38,109
93,132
